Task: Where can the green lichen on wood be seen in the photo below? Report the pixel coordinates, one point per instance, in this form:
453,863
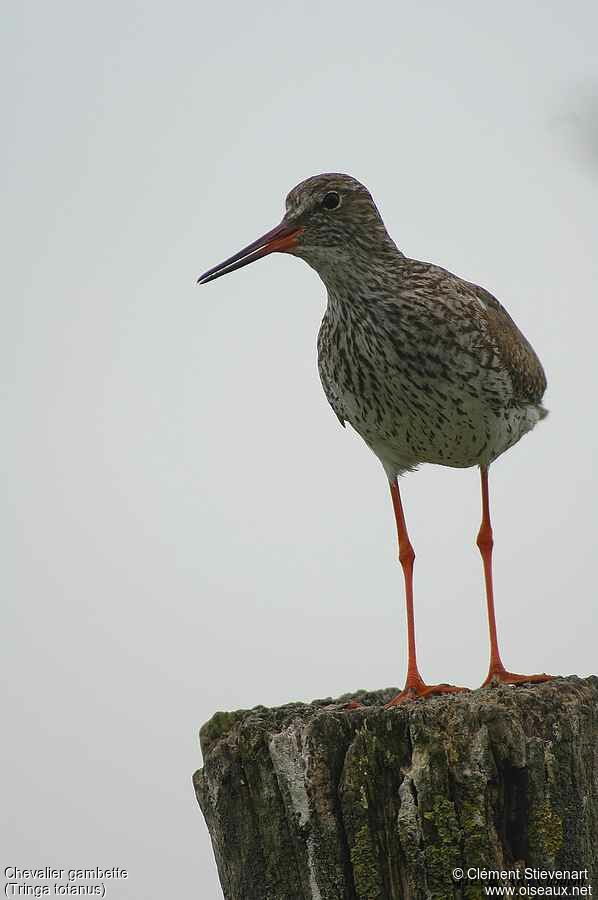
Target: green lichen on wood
475,843
390,801
475,834
365,870
198,782
442,854
216,728
361,779
545,832
369,742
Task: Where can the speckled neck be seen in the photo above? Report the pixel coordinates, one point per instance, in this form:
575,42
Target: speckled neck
360,270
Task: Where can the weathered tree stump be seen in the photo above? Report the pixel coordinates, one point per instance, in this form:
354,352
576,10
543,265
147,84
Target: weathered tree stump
315,801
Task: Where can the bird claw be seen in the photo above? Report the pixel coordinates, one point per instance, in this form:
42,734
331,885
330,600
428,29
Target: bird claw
352,704
501,676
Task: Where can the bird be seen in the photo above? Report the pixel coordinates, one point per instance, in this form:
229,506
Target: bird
425,366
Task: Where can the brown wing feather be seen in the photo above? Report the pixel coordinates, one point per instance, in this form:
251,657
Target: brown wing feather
516,352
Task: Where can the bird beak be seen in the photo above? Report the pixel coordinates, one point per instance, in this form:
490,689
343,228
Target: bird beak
279,240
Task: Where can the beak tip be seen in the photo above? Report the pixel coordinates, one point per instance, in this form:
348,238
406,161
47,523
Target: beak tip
280,238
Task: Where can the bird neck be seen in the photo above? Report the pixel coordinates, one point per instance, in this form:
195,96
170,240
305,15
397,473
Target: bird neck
361,271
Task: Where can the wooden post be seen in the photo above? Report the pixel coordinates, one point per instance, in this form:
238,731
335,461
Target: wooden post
315,801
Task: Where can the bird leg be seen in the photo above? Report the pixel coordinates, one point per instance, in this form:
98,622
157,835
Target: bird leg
496,670
415,686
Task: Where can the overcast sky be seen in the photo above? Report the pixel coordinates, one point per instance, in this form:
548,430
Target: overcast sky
187,527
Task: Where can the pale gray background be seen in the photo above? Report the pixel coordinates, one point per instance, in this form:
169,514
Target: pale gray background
188,528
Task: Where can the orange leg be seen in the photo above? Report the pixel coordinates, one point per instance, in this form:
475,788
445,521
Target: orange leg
496,670
414,686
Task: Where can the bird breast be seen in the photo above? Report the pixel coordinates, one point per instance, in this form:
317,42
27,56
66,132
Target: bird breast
419,382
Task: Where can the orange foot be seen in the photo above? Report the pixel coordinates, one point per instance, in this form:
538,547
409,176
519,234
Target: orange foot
501,676
352,704
417,689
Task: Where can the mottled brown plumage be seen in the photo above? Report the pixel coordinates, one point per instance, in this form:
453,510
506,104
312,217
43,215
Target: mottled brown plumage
514,350
426,367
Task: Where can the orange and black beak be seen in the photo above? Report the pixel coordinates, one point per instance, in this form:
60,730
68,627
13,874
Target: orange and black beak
280,239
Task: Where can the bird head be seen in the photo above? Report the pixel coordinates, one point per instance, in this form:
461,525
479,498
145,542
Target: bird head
329,219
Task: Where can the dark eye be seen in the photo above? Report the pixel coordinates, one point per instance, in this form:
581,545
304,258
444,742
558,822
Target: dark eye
331,200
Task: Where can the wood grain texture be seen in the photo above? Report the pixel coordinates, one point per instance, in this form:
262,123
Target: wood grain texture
314,801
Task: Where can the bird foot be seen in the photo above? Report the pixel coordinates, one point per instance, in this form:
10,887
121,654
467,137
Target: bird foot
501,676
417,689
352,704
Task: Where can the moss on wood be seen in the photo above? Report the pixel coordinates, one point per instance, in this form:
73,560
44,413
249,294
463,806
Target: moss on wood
316,801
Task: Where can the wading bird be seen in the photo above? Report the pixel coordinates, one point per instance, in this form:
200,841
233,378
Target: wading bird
426,367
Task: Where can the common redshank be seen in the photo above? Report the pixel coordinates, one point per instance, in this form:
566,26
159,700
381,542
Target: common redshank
426,367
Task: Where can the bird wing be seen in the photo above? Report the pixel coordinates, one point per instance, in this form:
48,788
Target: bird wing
492,330
512,347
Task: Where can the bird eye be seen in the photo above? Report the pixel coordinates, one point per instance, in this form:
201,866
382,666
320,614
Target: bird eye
331,200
